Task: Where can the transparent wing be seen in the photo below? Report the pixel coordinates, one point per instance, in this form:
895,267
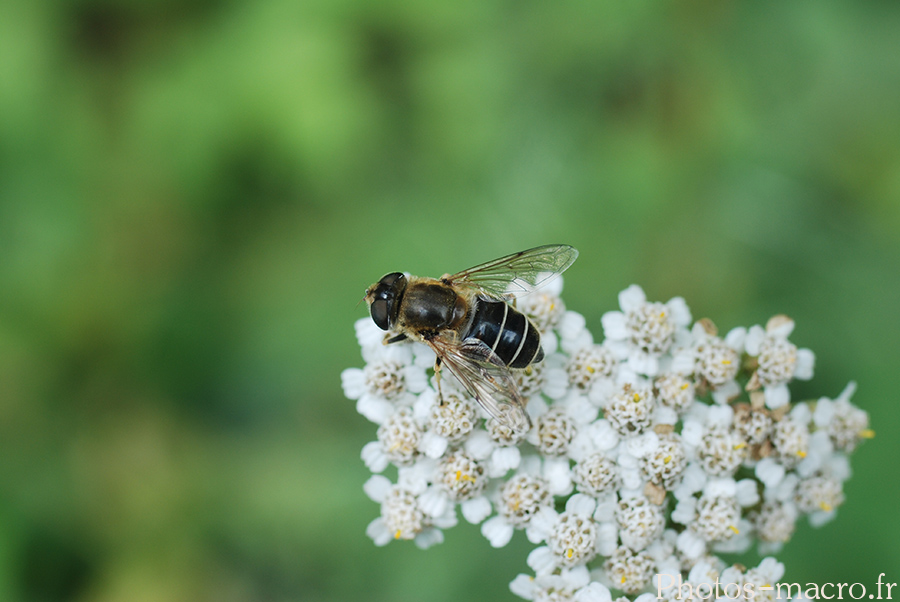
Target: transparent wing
517,274
486,378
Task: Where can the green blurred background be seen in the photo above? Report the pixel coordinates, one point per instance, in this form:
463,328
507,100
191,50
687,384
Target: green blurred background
194,195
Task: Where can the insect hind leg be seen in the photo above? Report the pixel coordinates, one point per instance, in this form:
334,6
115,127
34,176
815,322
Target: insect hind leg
437,379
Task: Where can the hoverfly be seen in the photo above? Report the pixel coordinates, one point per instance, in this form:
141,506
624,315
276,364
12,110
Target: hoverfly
468,321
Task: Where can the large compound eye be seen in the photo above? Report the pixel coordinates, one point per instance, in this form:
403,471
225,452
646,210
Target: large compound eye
386,295
380,312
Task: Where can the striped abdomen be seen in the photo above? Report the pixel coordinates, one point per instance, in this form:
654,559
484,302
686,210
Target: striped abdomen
511,335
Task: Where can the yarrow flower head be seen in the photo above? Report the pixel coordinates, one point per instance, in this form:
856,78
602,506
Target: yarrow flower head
642,332
778,361
654,451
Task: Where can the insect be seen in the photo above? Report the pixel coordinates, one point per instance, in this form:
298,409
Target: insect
468,321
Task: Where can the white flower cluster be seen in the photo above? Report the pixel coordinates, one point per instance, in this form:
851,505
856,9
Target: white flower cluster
651,452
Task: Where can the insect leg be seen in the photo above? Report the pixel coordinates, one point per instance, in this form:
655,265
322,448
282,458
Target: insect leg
437,378
395,339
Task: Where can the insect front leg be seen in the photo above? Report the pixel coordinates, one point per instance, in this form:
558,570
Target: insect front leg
394,339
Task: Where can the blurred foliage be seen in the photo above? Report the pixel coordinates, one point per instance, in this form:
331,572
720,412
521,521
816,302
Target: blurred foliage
193,195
